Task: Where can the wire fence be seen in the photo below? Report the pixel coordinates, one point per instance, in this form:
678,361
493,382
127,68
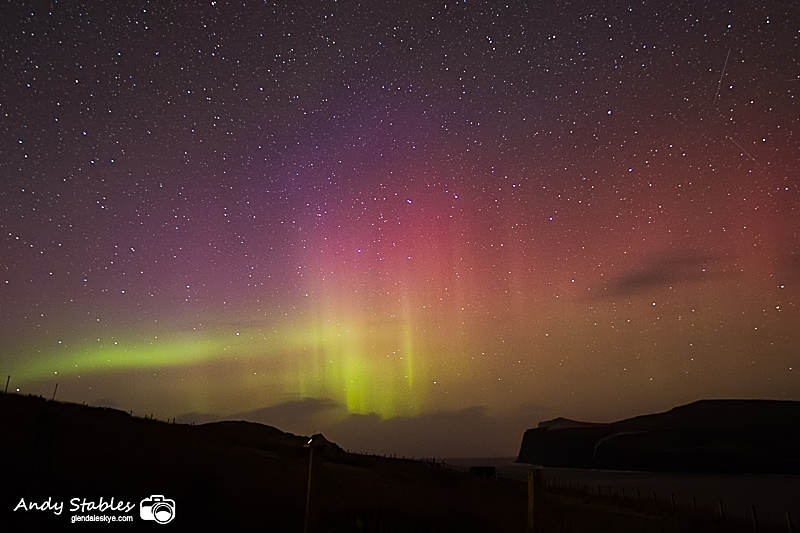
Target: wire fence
718,516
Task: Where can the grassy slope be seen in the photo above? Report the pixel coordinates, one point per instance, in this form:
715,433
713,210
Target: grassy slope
236,474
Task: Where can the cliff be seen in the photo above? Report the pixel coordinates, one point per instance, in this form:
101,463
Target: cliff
730,436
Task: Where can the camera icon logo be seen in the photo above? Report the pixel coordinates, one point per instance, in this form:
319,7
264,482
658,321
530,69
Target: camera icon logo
157,508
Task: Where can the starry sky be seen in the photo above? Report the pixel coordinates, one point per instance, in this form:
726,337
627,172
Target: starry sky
418,227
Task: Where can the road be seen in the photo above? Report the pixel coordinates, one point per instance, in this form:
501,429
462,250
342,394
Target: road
772,495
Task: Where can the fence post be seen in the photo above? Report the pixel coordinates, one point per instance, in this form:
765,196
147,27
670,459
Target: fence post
531,484
308,490
9,379
311,522
721,514
755,522
534,488
789,520
694,506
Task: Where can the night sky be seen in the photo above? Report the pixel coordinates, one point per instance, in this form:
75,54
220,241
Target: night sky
419,229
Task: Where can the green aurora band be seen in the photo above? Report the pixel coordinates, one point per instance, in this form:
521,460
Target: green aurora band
368,368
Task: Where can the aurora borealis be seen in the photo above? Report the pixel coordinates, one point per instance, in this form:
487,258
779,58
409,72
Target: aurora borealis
418,228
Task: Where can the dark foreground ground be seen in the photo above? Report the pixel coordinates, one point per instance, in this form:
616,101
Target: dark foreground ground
238,476
231,476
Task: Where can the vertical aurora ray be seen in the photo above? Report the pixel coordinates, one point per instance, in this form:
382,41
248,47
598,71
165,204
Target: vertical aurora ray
364,362
384,303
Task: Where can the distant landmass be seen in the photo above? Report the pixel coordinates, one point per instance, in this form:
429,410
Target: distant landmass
707,436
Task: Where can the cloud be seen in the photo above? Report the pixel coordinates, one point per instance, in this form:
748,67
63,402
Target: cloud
306,415
106,402
470,432
792,266
666,270
303,417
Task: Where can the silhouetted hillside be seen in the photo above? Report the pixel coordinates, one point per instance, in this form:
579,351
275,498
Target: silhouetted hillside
227,476
735,436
